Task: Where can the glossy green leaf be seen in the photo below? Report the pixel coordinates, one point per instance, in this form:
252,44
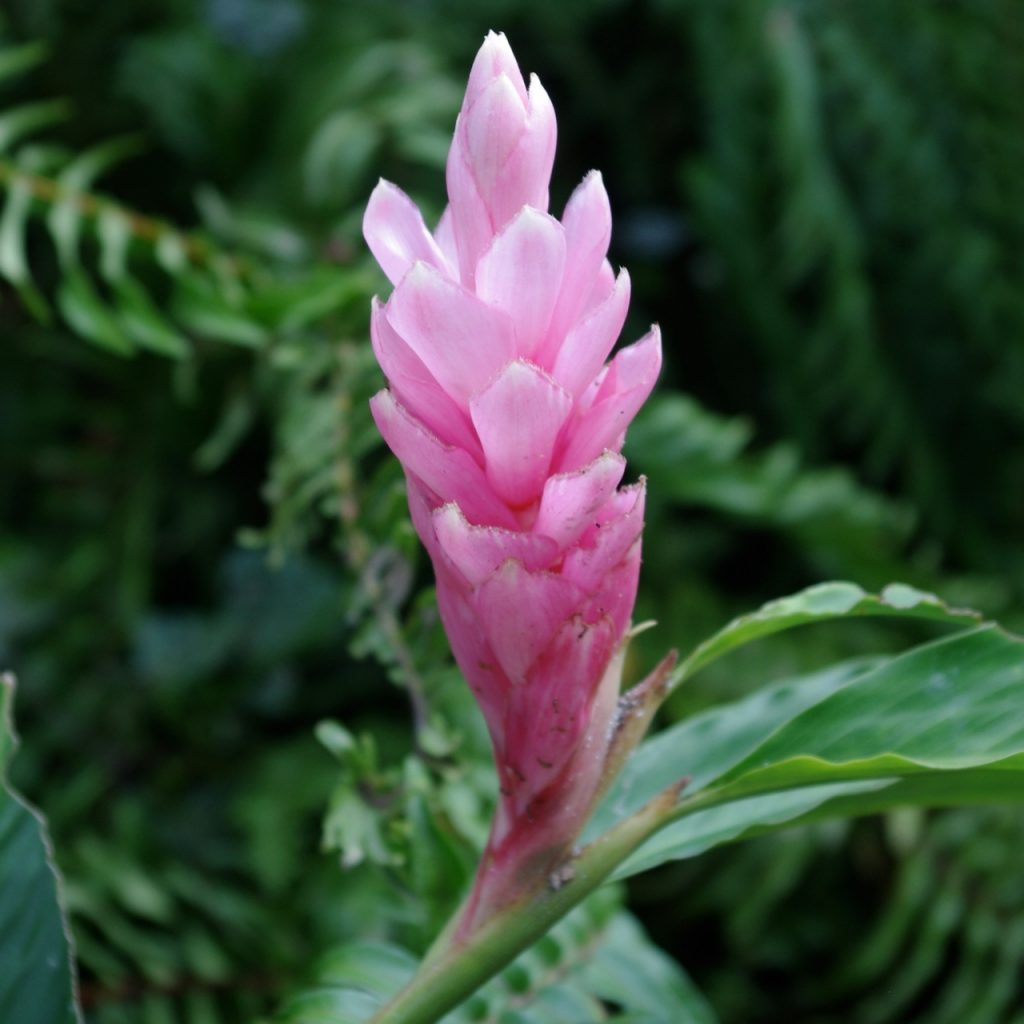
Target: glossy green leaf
954,704
940,725
37,980
820,603
745,819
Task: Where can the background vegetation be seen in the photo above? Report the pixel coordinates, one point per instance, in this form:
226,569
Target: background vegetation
238,712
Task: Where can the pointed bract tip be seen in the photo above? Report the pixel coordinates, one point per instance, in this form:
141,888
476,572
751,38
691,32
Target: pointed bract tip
494,58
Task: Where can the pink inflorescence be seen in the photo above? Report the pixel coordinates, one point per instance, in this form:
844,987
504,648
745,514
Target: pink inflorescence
509,422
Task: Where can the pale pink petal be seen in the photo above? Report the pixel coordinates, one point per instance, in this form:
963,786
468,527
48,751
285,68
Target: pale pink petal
518,418
588,227
570,499
587,345
604,282
449,472
394,230
478,551
616,595
471,224
521,273
489,129
507,418
415,387
590,392
444,235
526,173
494,58
473,654
520,612
462,341
612,531
630,378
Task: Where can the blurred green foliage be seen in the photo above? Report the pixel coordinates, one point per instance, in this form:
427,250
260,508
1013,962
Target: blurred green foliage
204,551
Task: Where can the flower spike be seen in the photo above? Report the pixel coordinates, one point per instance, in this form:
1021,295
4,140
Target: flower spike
508,421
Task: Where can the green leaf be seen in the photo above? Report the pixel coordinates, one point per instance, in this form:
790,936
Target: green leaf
954,704
14,60
37,981
65,216
702,459
598,953
372,967
144,324
89,316
171,253
24,120
329,1006
630,971
745,819
940,725
201,308
820,603
350,983
13,261
339,155
114,232
707,745
292,305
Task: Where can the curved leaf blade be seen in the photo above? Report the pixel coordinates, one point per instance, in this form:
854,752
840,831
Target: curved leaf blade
37,980
942,725
954,704
821,603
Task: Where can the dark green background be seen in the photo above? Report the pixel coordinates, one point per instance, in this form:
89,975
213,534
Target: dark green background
821,203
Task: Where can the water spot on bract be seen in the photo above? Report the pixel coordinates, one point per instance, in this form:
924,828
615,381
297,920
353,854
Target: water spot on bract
938,682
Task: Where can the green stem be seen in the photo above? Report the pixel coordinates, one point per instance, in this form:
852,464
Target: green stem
445,981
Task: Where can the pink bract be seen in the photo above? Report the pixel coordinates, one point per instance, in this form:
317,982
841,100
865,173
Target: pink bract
508,421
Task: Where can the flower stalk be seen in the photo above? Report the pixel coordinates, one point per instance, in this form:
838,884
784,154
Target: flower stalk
448,977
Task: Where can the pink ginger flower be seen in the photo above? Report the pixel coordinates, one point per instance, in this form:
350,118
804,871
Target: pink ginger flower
509,422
